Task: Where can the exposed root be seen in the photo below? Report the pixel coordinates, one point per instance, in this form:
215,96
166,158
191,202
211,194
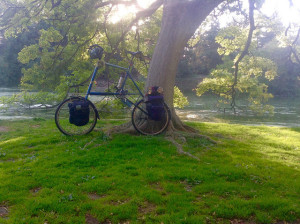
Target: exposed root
197,135
173,135
180,149
87,144
126,128
176,131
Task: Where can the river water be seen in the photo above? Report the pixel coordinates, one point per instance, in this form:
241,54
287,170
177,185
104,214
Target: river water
17,112
286,112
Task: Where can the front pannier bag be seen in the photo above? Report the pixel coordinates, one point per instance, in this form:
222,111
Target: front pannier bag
155,103
79,112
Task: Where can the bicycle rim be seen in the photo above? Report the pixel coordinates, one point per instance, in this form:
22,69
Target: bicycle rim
144,124
62,119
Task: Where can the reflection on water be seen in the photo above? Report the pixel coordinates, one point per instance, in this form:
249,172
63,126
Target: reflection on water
286,112
8,91
18,113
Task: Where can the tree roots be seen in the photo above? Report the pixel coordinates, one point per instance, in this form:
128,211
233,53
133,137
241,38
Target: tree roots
180,148
176,133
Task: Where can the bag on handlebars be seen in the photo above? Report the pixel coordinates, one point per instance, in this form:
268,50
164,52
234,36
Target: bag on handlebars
155,103
79,112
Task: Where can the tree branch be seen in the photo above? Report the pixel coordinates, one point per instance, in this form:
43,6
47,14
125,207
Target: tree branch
115,2
244,52
293,50
142,14
297,37
55,4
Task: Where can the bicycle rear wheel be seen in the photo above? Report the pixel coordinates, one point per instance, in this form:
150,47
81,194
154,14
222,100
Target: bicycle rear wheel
143,123
62,118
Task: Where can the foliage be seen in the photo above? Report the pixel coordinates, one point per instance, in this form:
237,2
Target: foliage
54,37
62,45
253,74
180,101
200,55
30,99
58,57
282,51
10,67
47,177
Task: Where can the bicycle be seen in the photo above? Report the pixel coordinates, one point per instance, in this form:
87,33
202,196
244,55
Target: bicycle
143,119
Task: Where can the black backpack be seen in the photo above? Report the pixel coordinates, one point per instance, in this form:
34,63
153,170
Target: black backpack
79,112
155,103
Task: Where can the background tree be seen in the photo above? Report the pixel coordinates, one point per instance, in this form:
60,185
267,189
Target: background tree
201,53
59,57
179,22
241,73
10,72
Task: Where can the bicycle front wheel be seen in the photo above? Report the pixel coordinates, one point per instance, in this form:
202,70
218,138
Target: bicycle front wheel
146,125
63,123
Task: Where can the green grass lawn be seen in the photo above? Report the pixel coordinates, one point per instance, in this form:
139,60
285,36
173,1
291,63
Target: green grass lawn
251,176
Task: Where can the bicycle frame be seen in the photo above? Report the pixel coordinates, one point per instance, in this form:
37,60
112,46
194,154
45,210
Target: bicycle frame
141,116
118,93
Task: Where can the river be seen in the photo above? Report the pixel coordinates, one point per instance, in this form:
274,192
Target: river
286,112
16,112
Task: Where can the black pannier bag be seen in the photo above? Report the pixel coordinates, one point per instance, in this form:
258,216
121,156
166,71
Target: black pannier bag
79,112
155,103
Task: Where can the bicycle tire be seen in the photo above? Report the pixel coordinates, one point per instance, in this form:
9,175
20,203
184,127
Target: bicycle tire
62,118
144,124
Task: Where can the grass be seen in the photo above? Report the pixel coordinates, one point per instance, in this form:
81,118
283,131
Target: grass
252,175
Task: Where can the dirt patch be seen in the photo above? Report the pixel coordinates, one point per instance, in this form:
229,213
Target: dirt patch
147,208
284,222
4,129
95,196
238,221
187,186
35,190
3,211
7,160
35,126
157,186
119,202
89,219
198,199
106,222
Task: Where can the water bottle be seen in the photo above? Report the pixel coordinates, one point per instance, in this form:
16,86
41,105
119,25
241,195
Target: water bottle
121,80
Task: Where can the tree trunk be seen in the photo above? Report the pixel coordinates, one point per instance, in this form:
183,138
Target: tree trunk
180,20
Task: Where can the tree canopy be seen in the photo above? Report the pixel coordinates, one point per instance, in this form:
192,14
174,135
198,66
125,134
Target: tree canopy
56,34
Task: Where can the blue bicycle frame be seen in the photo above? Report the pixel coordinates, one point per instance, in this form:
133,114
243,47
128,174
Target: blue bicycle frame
118,93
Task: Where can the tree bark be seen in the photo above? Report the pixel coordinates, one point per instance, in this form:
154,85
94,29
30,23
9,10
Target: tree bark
180,20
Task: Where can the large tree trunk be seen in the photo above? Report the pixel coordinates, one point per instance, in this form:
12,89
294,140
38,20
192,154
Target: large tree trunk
180,20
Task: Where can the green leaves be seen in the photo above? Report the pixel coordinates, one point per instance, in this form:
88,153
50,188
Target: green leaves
254,72
29,53
231,40
48,37
180,101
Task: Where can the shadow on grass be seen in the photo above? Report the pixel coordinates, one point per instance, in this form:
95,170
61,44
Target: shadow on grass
296,129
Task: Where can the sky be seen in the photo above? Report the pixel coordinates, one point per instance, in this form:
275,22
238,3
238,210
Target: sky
286,13
281,7
122,11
